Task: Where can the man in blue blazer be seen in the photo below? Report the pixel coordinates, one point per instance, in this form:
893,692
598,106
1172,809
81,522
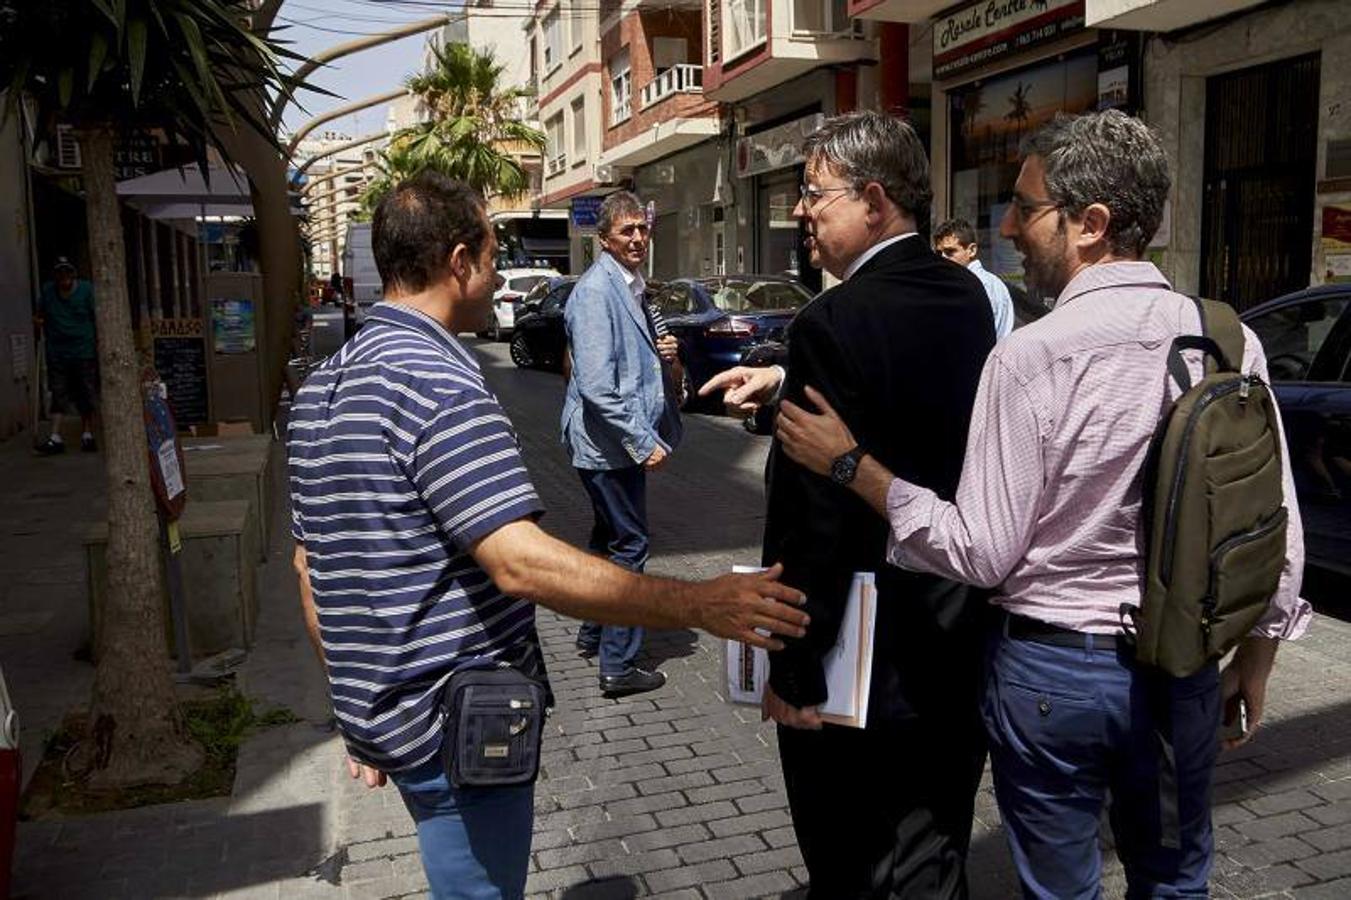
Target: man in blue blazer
620,420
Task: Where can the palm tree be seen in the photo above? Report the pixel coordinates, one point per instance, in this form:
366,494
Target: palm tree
473,130
1019,108
106,66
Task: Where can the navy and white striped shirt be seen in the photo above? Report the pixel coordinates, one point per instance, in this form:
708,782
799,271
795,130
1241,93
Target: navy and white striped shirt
400,459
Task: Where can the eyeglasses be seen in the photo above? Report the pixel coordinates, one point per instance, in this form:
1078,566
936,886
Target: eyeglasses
812,195
1025,208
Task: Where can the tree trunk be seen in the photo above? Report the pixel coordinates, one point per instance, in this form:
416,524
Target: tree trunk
138,734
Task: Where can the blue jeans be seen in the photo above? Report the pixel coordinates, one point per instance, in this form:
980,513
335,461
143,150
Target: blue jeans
475,842
619,502
1068,726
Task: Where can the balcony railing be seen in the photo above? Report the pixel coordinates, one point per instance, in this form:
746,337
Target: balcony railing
555,164
681,79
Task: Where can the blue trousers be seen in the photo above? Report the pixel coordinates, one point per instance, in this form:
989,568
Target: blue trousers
619,502
475,842
1070,725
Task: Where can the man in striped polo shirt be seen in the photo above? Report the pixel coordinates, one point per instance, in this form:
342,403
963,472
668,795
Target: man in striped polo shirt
416,543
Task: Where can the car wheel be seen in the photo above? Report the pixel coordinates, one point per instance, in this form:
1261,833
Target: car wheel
520,352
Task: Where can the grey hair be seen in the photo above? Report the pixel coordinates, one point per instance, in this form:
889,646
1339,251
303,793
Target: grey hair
619,205
1109,158
863,147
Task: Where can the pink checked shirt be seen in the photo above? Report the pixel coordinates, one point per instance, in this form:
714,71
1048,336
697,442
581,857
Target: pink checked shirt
1048,509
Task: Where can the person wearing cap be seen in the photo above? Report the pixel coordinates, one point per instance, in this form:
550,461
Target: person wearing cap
66,318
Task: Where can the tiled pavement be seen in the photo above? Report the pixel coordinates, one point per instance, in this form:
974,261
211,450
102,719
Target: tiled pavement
672,794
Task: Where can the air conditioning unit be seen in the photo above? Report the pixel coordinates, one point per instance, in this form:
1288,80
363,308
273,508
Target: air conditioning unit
606,174
67,148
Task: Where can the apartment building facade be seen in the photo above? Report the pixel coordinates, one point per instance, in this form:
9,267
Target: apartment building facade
564,44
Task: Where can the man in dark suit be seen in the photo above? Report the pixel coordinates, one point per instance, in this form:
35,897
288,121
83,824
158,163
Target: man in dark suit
897,348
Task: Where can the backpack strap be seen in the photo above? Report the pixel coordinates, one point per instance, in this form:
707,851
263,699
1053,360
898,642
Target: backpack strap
1220,323
1220,340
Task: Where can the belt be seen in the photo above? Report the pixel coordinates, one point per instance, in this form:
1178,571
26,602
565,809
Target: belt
1022,628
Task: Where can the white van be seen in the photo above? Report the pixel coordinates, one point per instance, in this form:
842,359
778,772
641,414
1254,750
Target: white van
358,264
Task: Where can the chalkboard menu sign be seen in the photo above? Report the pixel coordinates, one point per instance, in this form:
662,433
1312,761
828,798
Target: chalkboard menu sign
180,360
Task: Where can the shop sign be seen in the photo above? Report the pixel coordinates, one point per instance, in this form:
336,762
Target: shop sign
584,211
1336,228
135,154
992,29
232,326
1119,70
775,148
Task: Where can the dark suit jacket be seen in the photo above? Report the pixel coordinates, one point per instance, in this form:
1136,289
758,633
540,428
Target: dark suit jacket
898,351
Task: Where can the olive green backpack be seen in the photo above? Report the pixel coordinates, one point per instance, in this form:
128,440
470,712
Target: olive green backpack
1213,506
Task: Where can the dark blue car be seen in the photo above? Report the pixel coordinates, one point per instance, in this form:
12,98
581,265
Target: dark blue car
1307,339
717,318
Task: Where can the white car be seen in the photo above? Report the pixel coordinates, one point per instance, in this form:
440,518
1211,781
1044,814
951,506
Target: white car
516,283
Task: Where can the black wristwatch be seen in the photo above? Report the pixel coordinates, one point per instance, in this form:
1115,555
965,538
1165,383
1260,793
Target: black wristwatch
845,466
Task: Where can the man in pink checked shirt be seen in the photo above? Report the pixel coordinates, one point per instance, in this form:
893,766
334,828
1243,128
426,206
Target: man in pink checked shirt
1048,514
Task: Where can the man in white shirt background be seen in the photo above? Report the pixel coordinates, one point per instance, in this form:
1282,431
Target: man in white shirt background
956,240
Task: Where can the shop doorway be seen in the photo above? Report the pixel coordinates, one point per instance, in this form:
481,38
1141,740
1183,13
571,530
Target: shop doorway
780,247
1257,208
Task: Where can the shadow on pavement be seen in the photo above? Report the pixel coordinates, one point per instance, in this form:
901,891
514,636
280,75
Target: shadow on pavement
620,887
176,850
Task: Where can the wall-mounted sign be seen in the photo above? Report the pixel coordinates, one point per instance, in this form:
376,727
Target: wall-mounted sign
583,212
992,29
135,154
1119,70
1337,228
232,326
775,148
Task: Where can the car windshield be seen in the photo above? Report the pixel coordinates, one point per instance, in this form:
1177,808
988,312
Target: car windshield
750,296
523,283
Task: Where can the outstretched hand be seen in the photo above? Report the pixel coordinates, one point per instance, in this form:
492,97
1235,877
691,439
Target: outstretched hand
813,440
745,388
752,607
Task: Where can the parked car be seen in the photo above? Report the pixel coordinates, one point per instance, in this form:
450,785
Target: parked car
716,319
539,337
516,284
1307,339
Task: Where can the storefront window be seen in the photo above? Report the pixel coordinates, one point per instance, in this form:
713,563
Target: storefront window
988,121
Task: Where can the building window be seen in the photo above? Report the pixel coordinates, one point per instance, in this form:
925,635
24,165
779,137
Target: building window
579,131
745,25
575,31
557,159
817,17
621,83
553,41
714,32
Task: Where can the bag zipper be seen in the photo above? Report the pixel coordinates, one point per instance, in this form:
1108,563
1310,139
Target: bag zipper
1274,521
1210,396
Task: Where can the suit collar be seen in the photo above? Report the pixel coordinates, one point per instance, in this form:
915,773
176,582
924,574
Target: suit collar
902,246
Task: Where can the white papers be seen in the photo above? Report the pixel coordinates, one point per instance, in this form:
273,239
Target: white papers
168,466
849,664
847,667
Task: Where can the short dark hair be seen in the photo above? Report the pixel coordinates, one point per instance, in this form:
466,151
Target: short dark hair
417,226
870,146
1109,158
619,205
956,228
